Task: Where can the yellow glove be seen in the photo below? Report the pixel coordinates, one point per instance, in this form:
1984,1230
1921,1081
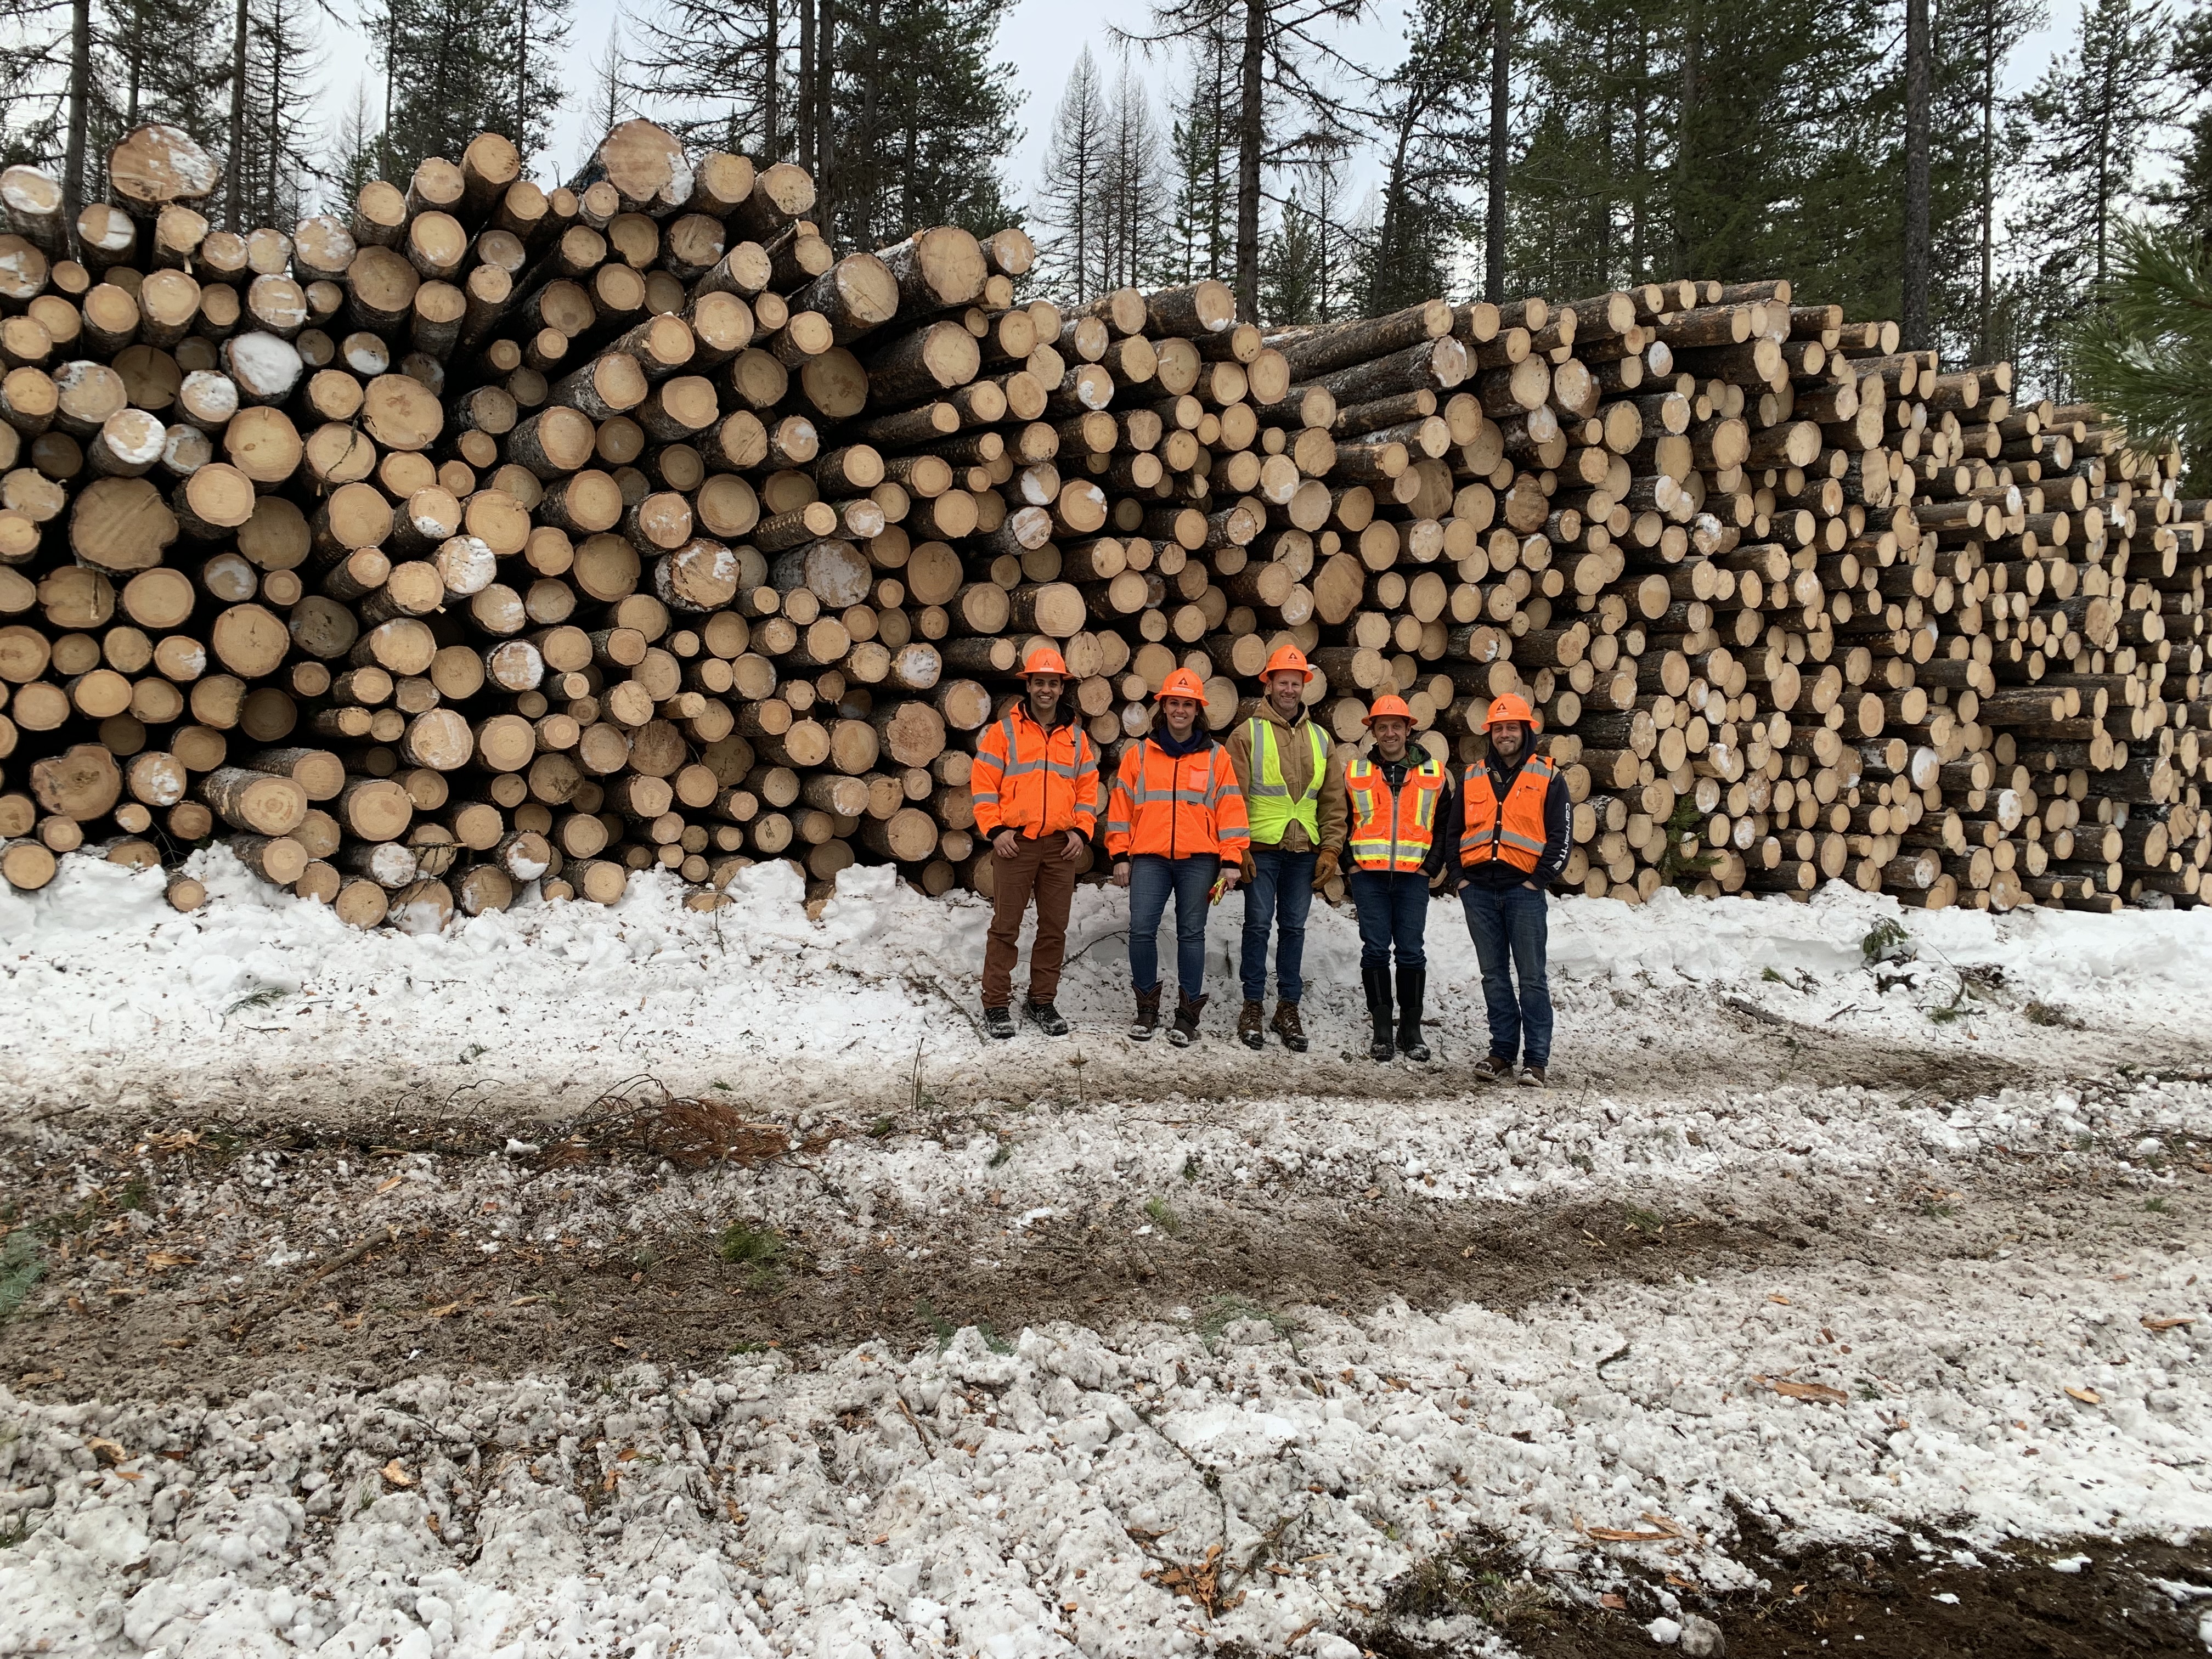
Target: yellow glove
1324,868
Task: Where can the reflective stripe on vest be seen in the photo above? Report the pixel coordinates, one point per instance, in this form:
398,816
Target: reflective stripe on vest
1267,802
1515,834
1389,834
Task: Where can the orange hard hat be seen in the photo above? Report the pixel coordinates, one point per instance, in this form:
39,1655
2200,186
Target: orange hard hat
1182,683
1509,707
1287,657
1385,706
1045,660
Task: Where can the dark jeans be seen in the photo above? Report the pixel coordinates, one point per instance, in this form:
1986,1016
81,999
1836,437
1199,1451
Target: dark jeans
1394,910
1280,891
1152,876
1509,930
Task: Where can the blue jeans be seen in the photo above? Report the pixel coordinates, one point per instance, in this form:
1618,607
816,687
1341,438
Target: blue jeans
1151,879
1394,910
1281,890
1508,928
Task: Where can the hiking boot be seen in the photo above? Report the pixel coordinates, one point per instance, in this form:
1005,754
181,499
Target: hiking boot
1532,1077
1184,1031
1148,1015
1046,1018
1251,1025
1377,983
1411,982
999,1023
1491,1069
1286,1025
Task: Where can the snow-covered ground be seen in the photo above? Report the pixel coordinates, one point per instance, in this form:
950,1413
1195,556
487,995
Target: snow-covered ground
1959,1192
115,1000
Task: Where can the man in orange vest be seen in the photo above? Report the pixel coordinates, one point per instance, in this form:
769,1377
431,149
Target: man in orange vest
1294,800
1175,823
1036,789
1511,826
1395,798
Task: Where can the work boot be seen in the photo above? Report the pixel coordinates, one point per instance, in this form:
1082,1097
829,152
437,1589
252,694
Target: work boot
999,1023
1491,1069
1184,1031
1377,982
1532,1077
1046,1018
1411,982
1286,1025
1148,1015
1251,1025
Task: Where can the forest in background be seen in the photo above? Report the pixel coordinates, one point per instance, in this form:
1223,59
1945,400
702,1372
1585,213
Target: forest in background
1557,147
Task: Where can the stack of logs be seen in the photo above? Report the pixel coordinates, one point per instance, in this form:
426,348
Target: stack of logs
495,538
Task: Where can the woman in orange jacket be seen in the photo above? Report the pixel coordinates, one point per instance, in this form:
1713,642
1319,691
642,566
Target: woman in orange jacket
1175,823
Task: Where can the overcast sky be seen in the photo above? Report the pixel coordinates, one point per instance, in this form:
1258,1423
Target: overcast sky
1042,39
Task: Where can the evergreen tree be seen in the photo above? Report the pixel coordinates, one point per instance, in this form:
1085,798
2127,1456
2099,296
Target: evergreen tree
1203,211
452,70
1434,117
1293,268
2084,131
1284,69
354,152
1072,256
923,119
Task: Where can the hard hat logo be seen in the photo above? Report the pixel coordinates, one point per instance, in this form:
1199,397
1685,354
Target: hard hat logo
1510,707
1182,683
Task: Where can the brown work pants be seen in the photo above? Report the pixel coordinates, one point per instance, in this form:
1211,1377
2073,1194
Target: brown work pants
1036,868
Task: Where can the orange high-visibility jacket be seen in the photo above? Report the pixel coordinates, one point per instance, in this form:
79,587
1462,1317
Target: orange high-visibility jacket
1032,780
1395,836
1175,805
1516,834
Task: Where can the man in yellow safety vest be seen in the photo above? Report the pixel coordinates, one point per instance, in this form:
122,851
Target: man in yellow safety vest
1294,802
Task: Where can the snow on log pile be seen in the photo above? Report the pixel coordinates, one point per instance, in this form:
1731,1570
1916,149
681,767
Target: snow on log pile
500,536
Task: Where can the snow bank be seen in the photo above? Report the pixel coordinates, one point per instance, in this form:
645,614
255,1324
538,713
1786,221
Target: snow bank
115,998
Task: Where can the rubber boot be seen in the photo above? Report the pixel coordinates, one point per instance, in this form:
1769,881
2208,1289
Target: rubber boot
1411,982
1377,982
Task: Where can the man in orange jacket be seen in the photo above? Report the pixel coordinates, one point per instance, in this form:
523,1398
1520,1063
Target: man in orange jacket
1036,789
1509,824
1175,823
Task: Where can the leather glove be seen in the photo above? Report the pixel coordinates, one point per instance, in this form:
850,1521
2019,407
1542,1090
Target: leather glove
1324,868
1250,869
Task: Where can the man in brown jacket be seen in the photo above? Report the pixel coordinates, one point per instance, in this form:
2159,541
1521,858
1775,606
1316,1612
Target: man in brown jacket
1294,800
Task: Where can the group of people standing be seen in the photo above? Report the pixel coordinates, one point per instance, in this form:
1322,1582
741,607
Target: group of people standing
1271,810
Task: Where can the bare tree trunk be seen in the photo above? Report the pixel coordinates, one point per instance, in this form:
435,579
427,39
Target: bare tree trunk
79,96
1501,104
771,66
825,115
521,76
1251,138
806,85
1987,186
1915,303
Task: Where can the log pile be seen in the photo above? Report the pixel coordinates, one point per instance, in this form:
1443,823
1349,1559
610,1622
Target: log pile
494,538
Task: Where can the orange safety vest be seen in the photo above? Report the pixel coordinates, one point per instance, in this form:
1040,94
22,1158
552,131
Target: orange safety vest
1516,834
1175,805
1387,835
1032,780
